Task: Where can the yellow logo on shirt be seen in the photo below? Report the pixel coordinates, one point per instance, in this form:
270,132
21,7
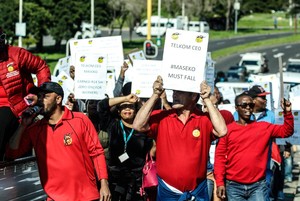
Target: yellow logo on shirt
196,133
67,139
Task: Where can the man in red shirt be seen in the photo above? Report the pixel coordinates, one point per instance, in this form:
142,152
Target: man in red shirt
241,156
183,136
67,149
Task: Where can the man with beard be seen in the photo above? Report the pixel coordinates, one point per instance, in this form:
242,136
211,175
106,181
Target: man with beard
183,136
16,67
67,149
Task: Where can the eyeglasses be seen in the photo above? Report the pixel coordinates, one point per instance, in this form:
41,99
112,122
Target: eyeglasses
3,36
245,105
129,106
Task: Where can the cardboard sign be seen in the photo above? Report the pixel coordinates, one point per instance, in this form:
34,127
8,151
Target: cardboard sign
295,138
90,76
145,73
184,60
139,55
111,46
63,64
67,83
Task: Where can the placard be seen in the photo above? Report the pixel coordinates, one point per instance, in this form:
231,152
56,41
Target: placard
90,76
111,46
145,73
295,138
184,60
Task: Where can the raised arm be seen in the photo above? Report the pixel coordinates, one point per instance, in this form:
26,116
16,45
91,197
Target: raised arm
119,84
141,120
132,98
216,118
164,101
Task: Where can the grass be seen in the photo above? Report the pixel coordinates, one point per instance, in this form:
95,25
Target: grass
51,59
263,20
254,45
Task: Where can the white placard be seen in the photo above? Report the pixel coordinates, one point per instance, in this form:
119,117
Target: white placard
295,138
129,75
63,64
67,83
229,107
110,84
230,90
90,76
139,55
274,78
111,46
184,60
145,73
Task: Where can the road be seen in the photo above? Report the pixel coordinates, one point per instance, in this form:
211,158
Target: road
21,182
290,51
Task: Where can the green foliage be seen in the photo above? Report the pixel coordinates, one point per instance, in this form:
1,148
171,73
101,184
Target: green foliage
263,20
102,12
9,17
37,19
28,41
254,45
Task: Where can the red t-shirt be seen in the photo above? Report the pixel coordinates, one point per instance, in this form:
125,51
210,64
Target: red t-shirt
227,116
67,156
182,150
242,155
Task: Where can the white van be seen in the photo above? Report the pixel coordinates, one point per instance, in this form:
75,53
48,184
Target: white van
155,28
200,26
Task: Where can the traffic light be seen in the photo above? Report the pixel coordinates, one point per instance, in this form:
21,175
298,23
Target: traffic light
150,49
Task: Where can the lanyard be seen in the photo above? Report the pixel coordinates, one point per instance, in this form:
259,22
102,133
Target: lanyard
124,135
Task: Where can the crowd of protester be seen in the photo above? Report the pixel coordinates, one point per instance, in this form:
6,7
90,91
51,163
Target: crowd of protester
96,149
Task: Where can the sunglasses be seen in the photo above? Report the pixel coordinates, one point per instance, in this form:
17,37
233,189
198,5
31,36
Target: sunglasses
245,105
262,97
3,36
129,106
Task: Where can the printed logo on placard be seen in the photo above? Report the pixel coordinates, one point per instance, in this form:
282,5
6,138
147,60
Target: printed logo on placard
199,38
175,36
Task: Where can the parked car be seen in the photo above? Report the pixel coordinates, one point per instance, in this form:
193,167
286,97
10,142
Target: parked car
293,65
255,62
237,74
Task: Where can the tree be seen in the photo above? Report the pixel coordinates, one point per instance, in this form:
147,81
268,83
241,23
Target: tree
9,10
38,20
135,10
102,13
68,16
118,14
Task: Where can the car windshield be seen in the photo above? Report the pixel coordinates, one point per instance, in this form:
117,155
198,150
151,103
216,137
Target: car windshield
293,68
249,62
